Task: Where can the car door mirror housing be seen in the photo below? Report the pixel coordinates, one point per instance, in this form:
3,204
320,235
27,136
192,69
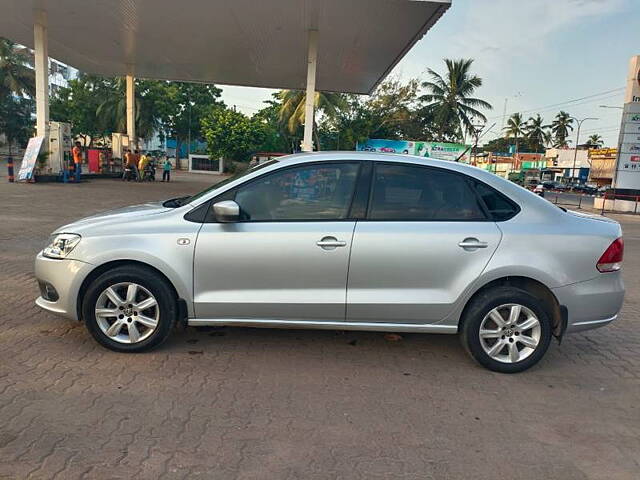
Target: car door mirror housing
226,211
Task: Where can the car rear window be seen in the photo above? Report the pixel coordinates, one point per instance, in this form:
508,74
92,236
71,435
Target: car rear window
499,207
415,193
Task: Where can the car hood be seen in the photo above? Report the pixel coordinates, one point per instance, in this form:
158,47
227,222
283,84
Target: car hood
119,215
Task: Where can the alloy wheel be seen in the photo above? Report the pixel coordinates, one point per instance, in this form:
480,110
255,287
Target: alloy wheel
510,333
127,312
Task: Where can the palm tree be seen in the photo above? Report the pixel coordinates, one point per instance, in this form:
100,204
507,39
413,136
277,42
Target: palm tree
291,112
560,128
537,133
516,128
595,141
16,76
450,102
112,110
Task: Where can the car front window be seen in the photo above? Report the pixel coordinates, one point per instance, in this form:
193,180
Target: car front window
309,192
228,180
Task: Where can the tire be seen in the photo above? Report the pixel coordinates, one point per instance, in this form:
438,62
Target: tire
505,301
143,324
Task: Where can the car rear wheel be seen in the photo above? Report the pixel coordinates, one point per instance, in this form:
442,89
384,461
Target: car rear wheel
506,330
129,309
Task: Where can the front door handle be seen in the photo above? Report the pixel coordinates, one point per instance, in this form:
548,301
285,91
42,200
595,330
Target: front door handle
329,243
472,243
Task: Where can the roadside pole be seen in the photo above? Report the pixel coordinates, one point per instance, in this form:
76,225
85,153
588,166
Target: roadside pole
10,176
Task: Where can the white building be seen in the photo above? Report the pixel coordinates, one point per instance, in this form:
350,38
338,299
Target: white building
59,75
561,161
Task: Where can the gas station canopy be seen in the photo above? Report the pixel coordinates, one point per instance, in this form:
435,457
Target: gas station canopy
259,43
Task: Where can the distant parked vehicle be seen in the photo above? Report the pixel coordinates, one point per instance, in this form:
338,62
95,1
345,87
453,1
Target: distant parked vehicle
539,190
586,189
549,185
604,189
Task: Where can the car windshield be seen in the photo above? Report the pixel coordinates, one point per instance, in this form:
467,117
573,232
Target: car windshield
178,202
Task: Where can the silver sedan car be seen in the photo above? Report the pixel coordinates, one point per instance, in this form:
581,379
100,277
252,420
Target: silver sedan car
345,241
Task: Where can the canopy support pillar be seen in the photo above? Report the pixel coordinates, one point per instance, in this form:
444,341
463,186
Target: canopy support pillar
41,64
312,61
131,111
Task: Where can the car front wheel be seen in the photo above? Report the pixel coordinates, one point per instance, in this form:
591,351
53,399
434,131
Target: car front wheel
129,309
506,330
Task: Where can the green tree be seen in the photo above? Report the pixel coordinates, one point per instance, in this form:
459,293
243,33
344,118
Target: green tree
181,107
17,87
450,102
516,128
111,112
595,141
537,133
16,75
390,112
292,109
231,135
78,104
560,128
277,136
497,145
16,122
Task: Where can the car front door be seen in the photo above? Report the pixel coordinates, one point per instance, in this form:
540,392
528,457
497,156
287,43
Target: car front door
287,257
426,238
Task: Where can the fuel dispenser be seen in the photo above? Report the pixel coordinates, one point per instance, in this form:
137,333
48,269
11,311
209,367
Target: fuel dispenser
60,159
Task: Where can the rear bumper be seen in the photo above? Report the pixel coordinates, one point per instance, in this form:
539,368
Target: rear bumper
593,303
66,277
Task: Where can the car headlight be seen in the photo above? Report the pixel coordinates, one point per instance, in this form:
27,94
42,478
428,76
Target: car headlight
60,245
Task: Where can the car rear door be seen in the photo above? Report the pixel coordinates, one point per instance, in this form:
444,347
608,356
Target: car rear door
427,236
287,258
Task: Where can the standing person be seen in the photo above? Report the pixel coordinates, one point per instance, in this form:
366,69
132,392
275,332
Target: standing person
77,160
136,161
142,164
102,161
129,163
125,164
166,170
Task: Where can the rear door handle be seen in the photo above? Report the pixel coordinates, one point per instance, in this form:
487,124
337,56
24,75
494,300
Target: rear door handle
329,243
472,243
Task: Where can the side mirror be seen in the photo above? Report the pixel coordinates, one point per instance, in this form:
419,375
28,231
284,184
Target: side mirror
227,211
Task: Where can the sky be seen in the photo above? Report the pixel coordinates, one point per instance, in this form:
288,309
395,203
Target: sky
539,56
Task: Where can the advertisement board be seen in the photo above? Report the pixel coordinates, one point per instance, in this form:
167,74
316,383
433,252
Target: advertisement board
437,150
631,127
30,158
628,162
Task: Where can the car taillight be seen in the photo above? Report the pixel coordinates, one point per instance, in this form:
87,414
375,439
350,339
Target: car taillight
611,259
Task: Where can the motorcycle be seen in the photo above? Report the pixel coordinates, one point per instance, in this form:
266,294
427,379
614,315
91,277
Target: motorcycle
149,173
129,174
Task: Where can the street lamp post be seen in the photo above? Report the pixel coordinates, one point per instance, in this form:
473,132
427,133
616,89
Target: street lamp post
477,130
575,151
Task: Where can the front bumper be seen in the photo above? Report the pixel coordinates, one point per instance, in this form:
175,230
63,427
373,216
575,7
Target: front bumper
66,276
593,303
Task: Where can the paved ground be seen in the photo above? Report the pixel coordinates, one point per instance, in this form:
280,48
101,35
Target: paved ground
276,404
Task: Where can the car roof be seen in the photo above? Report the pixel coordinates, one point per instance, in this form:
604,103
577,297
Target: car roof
367,156
393,158
517,193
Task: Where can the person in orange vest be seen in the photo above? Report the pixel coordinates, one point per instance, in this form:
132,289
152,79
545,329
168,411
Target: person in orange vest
77,160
